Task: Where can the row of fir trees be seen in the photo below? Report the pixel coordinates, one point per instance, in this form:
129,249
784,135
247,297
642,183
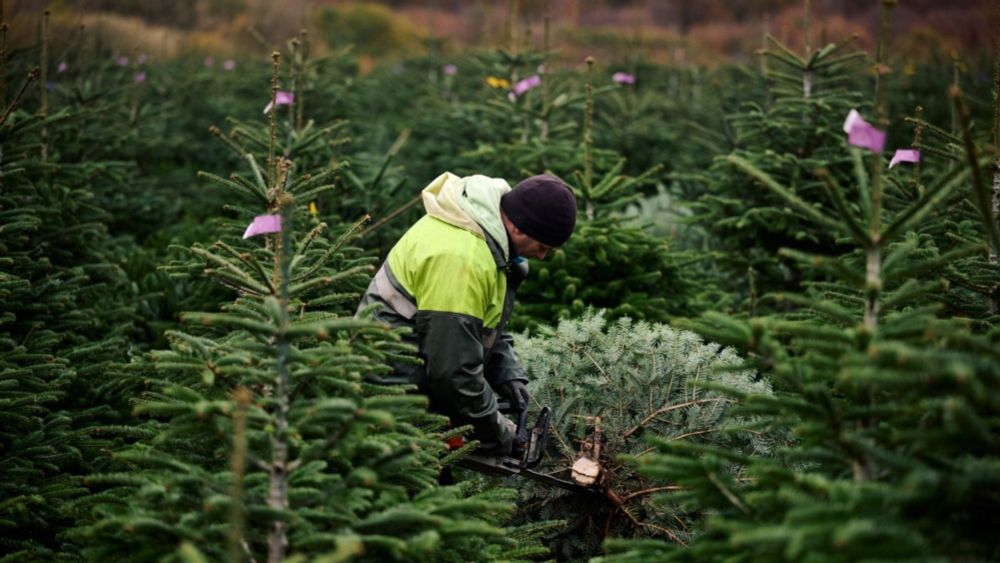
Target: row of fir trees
871,310
171,390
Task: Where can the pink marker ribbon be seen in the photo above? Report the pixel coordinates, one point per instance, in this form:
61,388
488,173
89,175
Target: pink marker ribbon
262,225
527,84
862,134
281,98
623,78
905,155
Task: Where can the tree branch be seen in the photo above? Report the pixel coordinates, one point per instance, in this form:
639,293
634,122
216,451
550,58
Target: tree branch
650,491
620,504
666,409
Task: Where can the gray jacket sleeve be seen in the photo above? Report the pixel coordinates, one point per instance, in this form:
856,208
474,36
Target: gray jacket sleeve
504,365
453,351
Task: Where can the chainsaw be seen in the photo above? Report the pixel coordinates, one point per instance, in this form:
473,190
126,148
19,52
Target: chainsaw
529,446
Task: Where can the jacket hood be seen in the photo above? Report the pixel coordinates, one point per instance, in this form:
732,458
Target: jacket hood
471,203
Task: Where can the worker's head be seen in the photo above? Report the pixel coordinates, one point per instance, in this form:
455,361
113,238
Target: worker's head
540,214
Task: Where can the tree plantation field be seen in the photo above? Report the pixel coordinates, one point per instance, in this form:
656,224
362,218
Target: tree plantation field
773,336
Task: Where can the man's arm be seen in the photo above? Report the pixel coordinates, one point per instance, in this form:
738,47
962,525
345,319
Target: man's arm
504,365
505,374
452,345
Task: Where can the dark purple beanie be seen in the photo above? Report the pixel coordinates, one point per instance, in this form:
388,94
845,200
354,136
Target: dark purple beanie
542,207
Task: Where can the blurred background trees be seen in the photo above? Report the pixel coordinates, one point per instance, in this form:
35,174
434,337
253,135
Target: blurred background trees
714,29
669,139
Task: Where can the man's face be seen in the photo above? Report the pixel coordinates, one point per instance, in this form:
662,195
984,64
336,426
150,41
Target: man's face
527,246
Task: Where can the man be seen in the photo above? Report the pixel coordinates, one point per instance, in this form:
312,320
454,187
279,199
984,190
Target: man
452,278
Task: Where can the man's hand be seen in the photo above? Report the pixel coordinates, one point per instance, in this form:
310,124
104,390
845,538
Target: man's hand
517,392
512,428
520,440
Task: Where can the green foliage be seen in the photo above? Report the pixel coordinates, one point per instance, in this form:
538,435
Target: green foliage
887,385
793,131
655,121
972,289
67,317
891,439
885,382
265,433
623,384
611,263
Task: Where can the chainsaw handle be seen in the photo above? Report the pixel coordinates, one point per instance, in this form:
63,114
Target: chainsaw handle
529,443
538,439
522,422
522,434
506,407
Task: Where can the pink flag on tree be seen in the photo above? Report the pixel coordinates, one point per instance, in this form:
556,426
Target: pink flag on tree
623,78
904,155
526,84
281,98
853,118
262,225
862,134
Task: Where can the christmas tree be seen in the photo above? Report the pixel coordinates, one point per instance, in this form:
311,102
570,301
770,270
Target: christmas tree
614,386
787,131
890,396
263,435
67,316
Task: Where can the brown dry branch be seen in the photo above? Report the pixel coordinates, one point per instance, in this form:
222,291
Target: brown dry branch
681,437
619,504
695,433
650,491
644,452
667,409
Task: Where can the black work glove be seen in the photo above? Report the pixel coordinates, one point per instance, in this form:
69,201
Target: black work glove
517,392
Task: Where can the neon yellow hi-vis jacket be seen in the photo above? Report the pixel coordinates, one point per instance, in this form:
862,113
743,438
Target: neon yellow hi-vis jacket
451,279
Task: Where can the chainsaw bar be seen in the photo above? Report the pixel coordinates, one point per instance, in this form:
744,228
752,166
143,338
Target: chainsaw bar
501,467
529,455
